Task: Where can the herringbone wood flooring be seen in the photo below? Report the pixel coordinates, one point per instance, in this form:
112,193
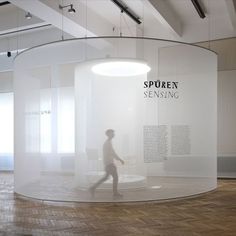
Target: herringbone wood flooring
213,213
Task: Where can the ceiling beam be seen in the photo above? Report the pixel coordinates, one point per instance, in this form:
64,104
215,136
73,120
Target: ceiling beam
74,24
165,15
23,29
15,18
51,14
231,7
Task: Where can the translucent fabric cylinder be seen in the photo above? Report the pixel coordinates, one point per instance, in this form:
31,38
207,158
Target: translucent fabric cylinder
115,119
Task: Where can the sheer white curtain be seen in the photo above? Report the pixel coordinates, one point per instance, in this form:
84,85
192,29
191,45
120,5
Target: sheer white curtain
65,121
64,124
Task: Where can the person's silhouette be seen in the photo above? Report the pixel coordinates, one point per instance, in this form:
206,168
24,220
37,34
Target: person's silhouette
109,155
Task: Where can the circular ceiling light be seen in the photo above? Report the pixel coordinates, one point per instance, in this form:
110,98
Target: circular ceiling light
121,67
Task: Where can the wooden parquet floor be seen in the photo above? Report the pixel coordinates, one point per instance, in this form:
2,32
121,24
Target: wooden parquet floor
213,214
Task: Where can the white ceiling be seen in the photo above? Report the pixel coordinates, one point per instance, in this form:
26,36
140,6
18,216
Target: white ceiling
168,19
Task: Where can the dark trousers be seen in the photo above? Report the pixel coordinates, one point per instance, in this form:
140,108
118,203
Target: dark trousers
110,170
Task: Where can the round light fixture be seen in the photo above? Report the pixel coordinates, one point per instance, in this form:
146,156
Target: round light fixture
28,16
121,67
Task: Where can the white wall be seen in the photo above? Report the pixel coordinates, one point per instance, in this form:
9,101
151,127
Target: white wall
227,113
226,50
227,123
6,82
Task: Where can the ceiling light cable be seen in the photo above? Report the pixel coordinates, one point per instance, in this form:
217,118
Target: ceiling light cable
209,26
120,24
71,10
86,19
86,29
129,28
62,21
143,21
17,34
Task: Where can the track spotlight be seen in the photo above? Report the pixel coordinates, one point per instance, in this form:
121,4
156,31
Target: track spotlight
71,10
9,54
28,15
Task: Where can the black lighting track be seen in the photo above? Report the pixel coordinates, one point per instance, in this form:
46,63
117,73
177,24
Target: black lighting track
4,3
125,9
198,8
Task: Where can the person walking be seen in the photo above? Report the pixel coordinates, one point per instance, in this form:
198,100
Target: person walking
109,155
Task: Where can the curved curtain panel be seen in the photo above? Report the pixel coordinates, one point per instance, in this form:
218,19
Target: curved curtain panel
74,126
